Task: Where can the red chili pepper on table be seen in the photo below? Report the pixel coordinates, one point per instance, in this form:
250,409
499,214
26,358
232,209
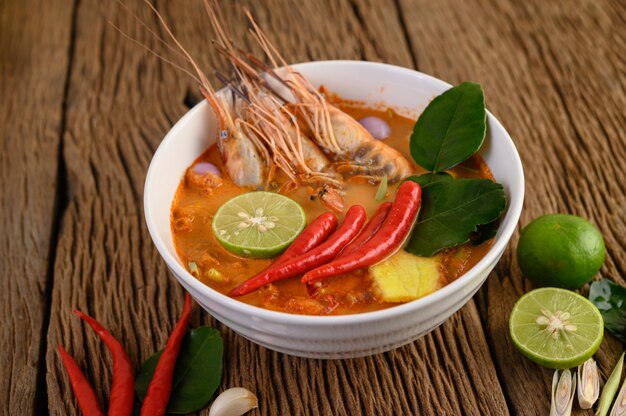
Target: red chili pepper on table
86,397
352,224
312,236
160,388
389,236
370,229
123,387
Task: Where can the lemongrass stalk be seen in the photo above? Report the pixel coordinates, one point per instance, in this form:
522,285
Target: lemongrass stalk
588,384
610,388
619,407
563,391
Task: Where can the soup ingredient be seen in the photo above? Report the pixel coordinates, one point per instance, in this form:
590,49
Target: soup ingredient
485,232
197,373
256,132
610,388
160,387
86,397
404,277
235,401
451,128
378,128
350,228
258,224
122,393
389,237
330,198
428,178
193,269
312,236
381,192
556,328
560,250
610,299
588,384
215,275
370,229
563,390
333,131
451,211
204,168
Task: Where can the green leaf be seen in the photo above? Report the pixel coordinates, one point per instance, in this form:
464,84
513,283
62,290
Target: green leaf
485,232
451,210
451,128
197,374
430,177
610,299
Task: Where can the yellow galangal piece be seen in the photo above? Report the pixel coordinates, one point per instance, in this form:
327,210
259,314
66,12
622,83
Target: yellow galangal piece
404,277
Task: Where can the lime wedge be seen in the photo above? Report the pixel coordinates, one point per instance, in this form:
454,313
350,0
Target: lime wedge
258,224
556,328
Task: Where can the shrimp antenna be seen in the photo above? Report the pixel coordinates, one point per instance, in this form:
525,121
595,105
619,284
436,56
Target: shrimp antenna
205,81
150,30
227,82
153,52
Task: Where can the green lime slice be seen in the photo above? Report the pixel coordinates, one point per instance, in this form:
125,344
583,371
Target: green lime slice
556,328
258,224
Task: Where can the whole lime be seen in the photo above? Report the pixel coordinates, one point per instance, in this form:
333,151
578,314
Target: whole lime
560,251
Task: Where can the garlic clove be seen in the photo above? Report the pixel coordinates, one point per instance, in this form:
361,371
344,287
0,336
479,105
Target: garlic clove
234,402
563,390
588,384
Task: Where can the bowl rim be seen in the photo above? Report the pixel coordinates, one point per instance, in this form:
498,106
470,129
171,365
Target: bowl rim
515,204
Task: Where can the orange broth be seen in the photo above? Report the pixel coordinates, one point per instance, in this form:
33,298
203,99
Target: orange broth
194,206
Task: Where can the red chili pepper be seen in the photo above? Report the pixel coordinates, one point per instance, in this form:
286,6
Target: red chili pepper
312,236
389,236
123,387
160,388
370,229
323,253
86,397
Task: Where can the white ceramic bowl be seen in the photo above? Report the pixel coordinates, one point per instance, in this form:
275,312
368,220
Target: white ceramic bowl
331,336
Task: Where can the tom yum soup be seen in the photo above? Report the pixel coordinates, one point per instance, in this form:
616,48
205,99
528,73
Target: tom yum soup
308,204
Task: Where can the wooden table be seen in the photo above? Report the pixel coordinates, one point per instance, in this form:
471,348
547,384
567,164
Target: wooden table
83,110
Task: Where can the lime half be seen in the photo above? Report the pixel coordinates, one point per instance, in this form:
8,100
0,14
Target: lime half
258,224
556,328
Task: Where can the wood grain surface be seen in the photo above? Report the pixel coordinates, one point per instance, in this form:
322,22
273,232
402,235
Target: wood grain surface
84,109
33,73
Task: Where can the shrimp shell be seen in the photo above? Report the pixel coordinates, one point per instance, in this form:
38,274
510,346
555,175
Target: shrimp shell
367,154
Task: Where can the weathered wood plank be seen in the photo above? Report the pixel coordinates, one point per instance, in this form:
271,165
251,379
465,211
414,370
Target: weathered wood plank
120,104
34,50
554,75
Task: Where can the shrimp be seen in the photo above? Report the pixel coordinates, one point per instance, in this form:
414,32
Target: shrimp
333,130
293,152
241,150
